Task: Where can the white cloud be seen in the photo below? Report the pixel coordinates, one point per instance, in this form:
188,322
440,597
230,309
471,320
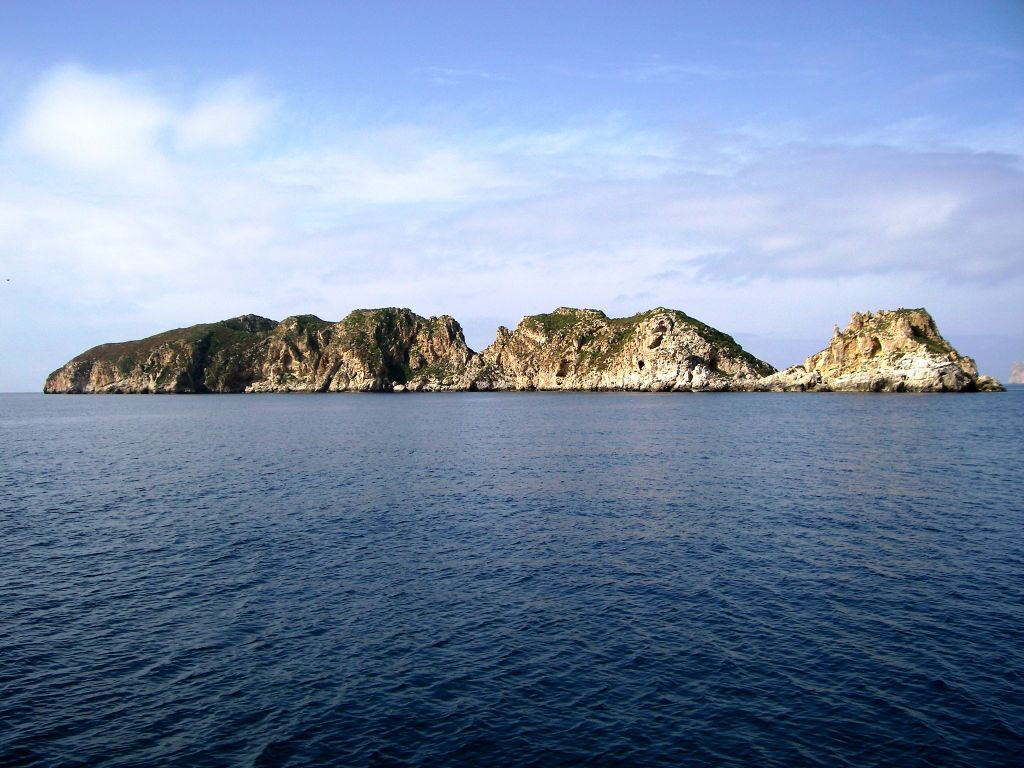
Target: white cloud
83,121
227,117
123,129
485,222
916,215
381,173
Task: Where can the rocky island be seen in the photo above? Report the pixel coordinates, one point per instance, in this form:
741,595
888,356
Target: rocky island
395,350
886,351
1017,373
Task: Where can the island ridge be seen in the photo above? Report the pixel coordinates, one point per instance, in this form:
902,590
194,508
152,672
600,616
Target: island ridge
396,350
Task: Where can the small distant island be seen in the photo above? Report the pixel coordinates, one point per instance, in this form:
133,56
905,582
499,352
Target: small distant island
396,350
1017,373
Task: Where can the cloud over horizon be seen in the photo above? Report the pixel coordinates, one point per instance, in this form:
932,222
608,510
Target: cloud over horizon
144,205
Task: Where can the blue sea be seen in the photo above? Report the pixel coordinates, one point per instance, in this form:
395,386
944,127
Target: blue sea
512,579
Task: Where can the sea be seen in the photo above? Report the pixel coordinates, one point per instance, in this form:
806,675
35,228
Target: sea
502,579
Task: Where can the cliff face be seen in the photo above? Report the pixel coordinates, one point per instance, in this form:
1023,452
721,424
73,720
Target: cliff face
887,351
375,350
395,349
370,350
584,349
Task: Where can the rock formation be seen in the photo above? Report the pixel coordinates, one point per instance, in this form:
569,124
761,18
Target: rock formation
374,350
886,351
1017,373
584,349
370,350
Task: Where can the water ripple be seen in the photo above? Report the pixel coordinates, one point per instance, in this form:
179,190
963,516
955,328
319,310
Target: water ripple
524,580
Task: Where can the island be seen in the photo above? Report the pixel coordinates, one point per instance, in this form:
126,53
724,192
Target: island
397,350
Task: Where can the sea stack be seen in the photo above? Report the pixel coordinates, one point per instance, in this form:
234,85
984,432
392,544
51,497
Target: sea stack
898,350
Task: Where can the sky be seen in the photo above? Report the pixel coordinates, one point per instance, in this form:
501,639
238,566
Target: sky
768,168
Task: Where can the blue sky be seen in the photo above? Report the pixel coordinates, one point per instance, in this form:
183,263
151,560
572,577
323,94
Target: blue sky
768,168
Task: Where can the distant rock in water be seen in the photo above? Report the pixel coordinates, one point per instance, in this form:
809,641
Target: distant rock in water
375,350
1017,373
897,350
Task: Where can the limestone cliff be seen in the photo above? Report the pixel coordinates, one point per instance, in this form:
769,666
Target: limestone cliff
886,351
584,349
395,349
374,350
1017,373
370,350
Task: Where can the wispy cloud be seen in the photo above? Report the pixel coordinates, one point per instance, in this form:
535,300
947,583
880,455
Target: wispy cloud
650,69
122,127
660,70
439,75
83,121
225,117
120,200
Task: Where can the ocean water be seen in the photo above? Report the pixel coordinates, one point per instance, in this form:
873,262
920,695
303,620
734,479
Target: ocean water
512,579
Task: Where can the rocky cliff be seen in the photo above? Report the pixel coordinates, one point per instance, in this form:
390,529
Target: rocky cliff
375,350
584,349
370,350
886,351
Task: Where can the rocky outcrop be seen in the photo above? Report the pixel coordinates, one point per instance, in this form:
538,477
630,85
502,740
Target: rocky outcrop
584,349
370,350
886,351
1017,373
397,350
376,350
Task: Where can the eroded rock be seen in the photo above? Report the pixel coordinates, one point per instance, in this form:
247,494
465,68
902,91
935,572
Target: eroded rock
897,350
377,350
368,351
584,349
